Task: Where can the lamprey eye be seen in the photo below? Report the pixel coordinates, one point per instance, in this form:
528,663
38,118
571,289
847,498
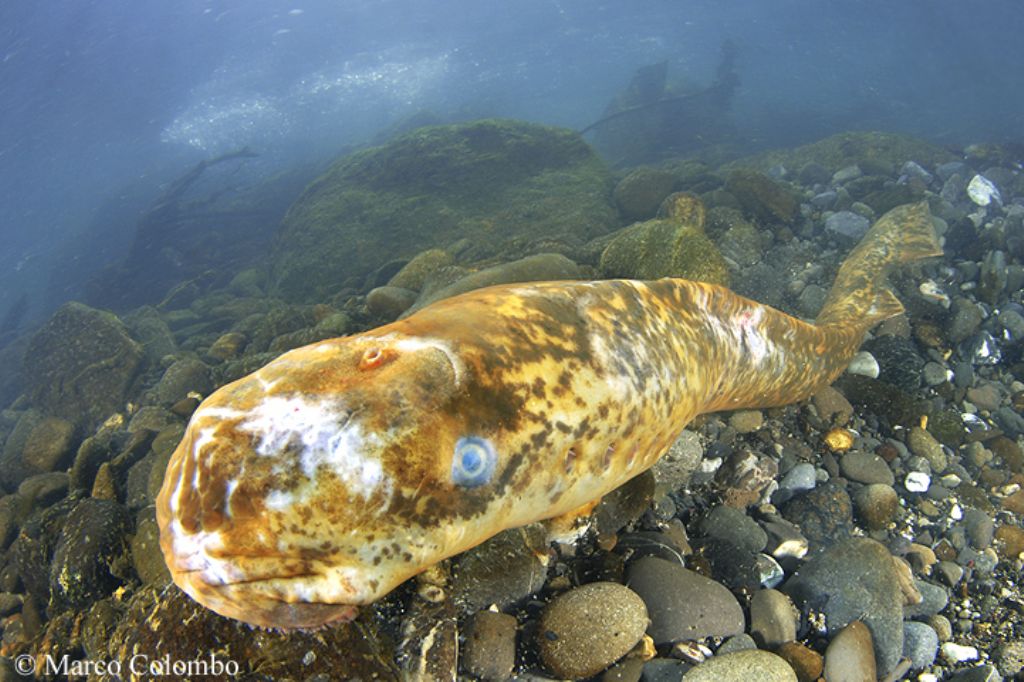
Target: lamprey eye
473,463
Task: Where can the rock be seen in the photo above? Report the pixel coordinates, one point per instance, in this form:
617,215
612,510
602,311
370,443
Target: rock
735,527
847,225
185,376
825,514
832,406
982,673
494,185
986,396
415,273
1009,657
967,317
983,191
877,504
898,361
147,558
773,619
388,302
866,467
958,653
864,364
934,374
683,605
806,663
923,444
799,479
665,247
50,445
663,670
761,197
89,561
80,364
742,244
542,267
490,652
920,644
42,490
585,630
639,194
149,329
742,666
227,346
856,579
980,528
502,570
12,510
850,656
846,174
746,421
674,469
743,642
159,622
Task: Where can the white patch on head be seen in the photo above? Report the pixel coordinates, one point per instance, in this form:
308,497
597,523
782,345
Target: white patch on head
279,500
197,552
325,434
411,344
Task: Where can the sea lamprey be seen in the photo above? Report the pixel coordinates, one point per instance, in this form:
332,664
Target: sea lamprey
328,477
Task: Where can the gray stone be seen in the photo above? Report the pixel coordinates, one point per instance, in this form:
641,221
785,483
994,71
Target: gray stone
586,629
986,396
773,619
735,527
923,444
50,446
824,201
846,173
934,598
490,651
742,666
42,490
388,302
811,299
502,570
967,317
1013,323
982,673
947,170
684,605
980,528
800,478
856,579
866,467
664,670
934,374
848,225
674,469
920,644
147,558
743,642
1010,657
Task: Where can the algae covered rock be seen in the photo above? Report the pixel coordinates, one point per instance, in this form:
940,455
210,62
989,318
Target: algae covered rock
496,185
80,364
763,198
673,246
639,194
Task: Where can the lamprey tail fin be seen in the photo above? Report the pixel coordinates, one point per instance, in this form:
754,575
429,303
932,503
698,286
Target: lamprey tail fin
860,295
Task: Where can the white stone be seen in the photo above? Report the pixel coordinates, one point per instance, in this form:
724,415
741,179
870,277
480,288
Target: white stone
982,191
864,364
917,482
957,653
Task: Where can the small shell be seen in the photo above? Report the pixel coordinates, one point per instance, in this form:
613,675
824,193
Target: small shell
933,293
839,440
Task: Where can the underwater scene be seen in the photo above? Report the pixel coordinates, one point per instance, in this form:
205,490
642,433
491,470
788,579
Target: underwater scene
547,340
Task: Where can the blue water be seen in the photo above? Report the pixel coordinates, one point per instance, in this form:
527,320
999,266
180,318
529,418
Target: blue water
105,100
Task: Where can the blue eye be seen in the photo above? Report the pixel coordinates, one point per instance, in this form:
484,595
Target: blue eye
473,461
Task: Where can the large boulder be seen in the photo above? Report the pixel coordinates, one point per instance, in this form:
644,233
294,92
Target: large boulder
80,364
479,189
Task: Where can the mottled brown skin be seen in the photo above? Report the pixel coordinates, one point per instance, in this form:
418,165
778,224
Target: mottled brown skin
579,386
